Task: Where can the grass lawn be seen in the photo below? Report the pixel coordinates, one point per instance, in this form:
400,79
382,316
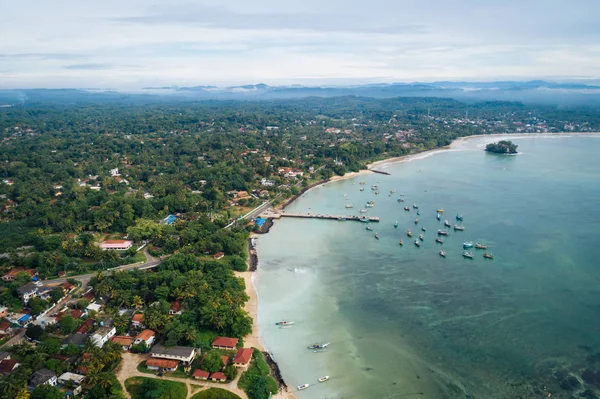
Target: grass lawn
142,368
175,389
215,393
138,257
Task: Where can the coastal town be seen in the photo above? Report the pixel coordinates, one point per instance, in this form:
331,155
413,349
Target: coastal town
128,250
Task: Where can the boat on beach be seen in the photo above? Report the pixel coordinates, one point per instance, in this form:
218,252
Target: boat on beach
468,255
417,243
488,256
443,232
284,323
447,223
480,246
324,378
439,240
459,228
443,254
302,387
467,244
409,233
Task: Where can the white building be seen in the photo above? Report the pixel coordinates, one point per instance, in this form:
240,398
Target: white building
117,245
102,335
267,183
114,172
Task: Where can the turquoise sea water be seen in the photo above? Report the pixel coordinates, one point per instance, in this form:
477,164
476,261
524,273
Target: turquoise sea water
404,322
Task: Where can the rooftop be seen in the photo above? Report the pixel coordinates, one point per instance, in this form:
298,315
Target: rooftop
77,339
218,376
183,351
122,340
41,376
201,373
163,363
145,335
243,356
225,342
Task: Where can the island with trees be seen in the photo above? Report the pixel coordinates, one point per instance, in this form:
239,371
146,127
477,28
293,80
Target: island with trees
502,147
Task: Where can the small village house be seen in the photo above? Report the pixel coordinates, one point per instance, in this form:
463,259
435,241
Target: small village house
218,377
102,335
147,336
161,364
137,320
123,340
116,245
200,375
43,377
185,354
242,357
225,343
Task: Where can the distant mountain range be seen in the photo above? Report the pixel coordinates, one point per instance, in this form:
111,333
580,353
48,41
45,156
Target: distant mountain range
536,91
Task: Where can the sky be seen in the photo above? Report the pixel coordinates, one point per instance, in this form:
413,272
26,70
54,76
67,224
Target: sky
129,44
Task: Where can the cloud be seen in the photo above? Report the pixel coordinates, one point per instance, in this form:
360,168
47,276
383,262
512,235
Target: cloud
70,43
90,66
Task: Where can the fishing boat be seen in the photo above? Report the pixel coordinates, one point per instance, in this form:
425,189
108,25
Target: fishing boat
415,206
417,221
438,216
488,256
400,200
364,219
400,242
284,323
368,228
377,236
447,223
443,254
362,189
458,228
349,206
421,237
302,387
468,255
377,192
417,243
363,211
374,187
319,346
423,228
392,191
324,378
396,225
439,240
407,209
418,213
409,233
362,183
369,205
467,244
480,246
440,211
443,232
459,217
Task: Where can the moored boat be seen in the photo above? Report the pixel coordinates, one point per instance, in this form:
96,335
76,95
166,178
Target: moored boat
480,246
368,228
443,254
400,242
319,346
362,189
349,206
488,256
447,223
423,228
421,237
369,205
458,228
392,191
374,187
418,213
362,183
407,208
443,232
324,378
467,255
400,200
417,243
438,216
440,211
377,192
377,236
416,220
284,323
415,206
396,225
459,217
302,387
467,244
363,211
409,233
439,240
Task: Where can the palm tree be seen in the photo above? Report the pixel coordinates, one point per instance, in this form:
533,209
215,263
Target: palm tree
137,301
104,380
190,334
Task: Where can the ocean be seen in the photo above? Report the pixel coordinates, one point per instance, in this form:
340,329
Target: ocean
404,322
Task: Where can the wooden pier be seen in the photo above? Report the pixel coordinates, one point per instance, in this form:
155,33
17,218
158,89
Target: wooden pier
364,219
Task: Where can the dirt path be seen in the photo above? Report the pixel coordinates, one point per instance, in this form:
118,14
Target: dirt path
128,369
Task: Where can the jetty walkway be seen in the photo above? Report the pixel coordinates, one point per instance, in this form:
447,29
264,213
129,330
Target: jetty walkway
278,215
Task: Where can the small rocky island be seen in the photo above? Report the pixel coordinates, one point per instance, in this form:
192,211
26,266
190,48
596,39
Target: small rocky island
502,147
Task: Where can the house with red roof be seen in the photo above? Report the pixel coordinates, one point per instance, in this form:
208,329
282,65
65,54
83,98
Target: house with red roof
219,255
86,327
67,287
147,336
161,364
218,376
225,343
200,375
122,340
12,273
175,308
137,320
242,357
5,327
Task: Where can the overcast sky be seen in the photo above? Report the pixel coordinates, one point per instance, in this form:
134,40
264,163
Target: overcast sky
136,43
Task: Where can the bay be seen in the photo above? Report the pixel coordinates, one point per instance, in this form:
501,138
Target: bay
404,322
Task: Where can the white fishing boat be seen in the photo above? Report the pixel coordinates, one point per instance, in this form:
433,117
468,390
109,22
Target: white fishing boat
363,211
302,387
284,323
324,378
349,206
